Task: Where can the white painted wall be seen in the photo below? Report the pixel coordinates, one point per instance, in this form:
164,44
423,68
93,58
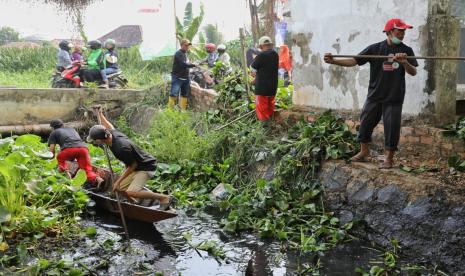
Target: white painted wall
335,20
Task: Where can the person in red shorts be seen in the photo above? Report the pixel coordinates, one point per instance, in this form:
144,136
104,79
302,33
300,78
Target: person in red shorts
265,68
71,148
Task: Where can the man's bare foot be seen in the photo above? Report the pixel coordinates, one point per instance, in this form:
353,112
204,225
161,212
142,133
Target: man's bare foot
360,157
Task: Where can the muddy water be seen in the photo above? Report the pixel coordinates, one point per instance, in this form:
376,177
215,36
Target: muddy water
161,248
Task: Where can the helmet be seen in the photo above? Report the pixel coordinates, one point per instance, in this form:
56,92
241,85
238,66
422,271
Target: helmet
210,47
109,42
97,132
94,44
65,45
221,47
56,123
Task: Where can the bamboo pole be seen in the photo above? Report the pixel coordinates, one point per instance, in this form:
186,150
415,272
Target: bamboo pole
244,64
387,57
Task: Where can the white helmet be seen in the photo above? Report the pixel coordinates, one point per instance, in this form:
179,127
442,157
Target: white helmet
221,47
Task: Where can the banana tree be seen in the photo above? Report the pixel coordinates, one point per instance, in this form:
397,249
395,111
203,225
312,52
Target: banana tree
190,26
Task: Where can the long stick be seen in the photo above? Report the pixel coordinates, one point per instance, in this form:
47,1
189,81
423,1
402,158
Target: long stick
386,57
244,65
112,177
235,120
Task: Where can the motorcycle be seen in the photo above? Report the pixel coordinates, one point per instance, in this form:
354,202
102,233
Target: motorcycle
70,78
203,77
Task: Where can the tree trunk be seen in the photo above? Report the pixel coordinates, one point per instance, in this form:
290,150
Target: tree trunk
254,20
270,18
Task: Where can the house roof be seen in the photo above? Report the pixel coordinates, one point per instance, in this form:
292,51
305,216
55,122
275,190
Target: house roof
126,36
74,41
21,45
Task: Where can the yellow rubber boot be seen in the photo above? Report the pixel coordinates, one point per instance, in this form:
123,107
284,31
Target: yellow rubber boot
183,103
171,102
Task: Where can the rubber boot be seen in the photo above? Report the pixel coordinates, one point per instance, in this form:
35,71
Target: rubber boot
183,103
171,102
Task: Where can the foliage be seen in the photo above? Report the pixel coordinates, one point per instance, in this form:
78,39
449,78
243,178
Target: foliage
212,34
457,130
190,26
286,206
235,51
8,34
36,200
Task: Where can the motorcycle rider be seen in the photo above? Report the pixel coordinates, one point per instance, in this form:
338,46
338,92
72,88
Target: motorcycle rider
95,62
63,56
111,60
212,55
223,56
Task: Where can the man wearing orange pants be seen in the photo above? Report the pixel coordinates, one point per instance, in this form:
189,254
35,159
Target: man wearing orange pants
71,148
265,67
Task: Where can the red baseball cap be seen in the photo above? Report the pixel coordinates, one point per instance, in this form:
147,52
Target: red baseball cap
396,23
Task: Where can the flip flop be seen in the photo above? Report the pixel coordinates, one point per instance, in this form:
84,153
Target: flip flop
357,158
386,165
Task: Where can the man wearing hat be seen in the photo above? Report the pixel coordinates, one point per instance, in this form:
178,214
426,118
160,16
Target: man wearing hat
180,76
386,90
139,164
71,148
265,68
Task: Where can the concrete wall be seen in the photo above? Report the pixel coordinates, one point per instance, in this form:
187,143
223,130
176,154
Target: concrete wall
347,27
35,106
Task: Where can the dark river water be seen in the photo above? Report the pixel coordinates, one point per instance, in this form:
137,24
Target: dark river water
161,248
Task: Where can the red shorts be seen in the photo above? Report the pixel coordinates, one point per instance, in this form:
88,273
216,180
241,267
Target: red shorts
264,107
81,155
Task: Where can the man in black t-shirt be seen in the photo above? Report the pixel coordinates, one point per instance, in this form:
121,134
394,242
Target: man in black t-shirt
180,76
386,90
71,148
140,165
265,69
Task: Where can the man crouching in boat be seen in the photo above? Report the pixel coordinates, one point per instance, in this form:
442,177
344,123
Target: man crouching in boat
139,164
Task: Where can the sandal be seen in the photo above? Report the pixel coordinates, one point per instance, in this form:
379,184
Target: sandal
359,158
386,165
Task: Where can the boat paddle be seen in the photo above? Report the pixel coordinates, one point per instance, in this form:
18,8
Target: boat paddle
112,177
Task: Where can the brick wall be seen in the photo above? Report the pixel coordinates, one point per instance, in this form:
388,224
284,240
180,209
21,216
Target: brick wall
202,99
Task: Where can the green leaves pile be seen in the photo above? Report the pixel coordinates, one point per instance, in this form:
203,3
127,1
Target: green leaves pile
35,199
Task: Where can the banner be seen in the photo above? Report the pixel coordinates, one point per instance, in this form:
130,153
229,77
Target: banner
158,28
280,29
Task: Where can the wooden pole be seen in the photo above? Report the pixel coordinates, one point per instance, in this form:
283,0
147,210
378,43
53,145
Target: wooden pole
244,63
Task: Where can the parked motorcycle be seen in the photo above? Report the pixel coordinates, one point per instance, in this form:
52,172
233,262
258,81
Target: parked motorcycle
70,78
203,77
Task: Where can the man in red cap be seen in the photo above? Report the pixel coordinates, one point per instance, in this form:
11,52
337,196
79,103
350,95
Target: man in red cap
386,90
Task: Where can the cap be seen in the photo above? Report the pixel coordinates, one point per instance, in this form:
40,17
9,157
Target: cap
185,41
96,132
264,40
396,23
56,123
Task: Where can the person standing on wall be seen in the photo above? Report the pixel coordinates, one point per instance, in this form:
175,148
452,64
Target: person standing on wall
180,76
386,90
265,69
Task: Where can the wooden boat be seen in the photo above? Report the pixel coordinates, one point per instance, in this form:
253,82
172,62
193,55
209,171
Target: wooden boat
140,212
133,211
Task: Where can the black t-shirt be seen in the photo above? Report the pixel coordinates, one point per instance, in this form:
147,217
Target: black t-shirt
181,65
387,79
128,152
66,137
266,64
